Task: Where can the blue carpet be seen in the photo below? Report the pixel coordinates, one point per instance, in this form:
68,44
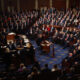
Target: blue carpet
43,58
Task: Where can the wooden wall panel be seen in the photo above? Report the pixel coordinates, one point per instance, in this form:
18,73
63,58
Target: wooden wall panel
77,3
10,3
43,3
74,3
0,6
59,4
27,4
30,4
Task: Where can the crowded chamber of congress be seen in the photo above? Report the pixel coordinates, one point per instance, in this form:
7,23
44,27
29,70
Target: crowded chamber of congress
39,39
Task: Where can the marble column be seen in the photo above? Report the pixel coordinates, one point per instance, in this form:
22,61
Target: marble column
50,3
2,5
36,4
67,4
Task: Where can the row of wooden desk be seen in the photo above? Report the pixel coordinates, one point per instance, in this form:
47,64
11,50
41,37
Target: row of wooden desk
18,55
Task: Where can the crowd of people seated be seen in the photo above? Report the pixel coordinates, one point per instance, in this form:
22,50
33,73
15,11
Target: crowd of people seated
62,18
35,73
18,21
51,18
16,51
69,38
40,30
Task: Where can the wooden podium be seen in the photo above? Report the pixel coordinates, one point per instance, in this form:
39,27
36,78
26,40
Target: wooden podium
10,37
46,46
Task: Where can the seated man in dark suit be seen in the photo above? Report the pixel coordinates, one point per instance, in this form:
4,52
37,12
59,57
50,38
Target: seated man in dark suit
39,40
10,45
46,69
28,53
